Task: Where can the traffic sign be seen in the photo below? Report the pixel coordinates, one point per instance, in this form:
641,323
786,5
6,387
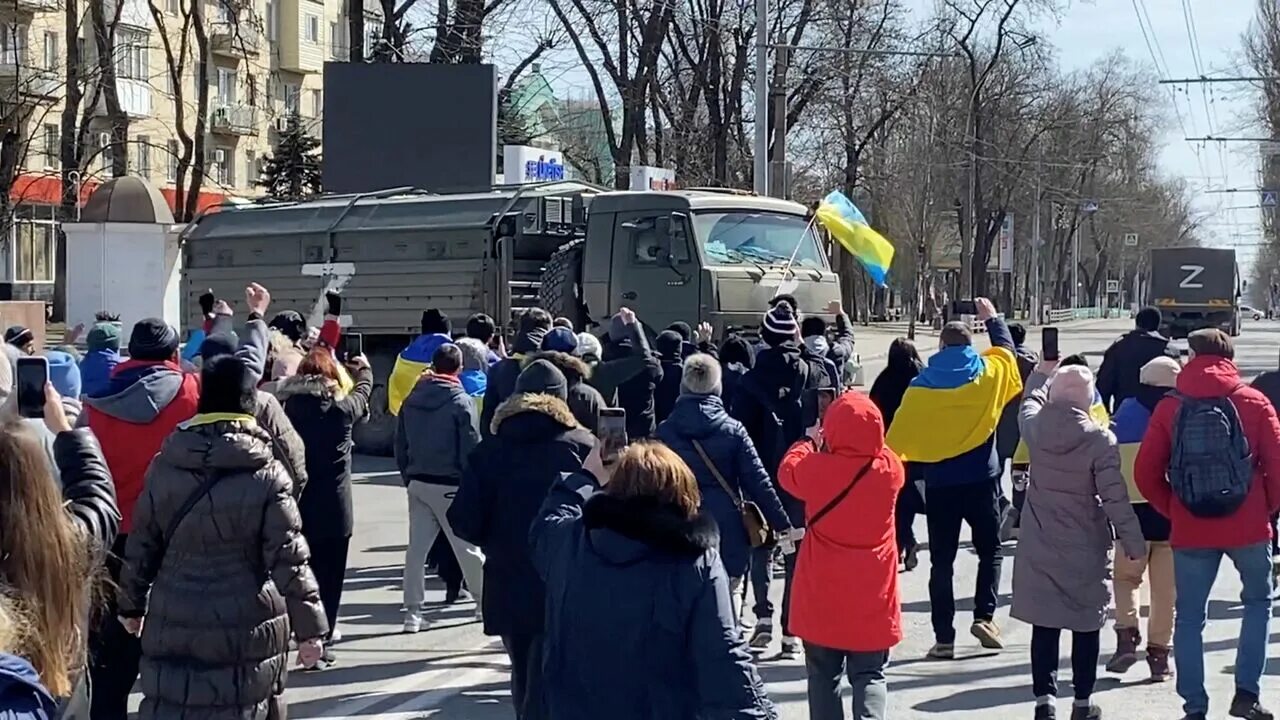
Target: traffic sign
1113,286
1268,198
1090,206
1131,239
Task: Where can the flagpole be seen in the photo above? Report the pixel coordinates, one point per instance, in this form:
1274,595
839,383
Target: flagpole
796,250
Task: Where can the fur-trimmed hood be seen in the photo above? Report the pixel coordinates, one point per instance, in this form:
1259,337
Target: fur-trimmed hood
313,385
549,411
574,369
645,526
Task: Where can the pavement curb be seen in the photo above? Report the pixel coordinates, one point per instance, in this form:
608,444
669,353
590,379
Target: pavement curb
1078,324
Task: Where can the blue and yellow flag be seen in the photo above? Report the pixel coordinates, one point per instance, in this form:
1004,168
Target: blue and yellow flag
412,362
847,225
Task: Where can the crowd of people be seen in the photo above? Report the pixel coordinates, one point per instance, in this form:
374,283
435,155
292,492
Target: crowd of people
195,508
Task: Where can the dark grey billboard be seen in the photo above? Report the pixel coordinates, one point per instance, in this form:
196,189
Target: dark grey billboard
423,125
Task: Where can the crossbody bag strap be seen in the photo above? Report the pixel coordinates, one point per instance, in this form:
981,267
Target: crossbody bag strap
211,478
840,497
737,499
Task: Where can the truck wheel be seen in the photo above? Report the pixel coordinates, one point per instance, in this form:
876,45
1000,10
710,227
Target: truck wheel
560,291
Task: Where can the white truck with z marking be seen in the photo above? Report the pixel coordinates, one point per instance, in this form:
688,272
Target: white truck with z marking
1195,288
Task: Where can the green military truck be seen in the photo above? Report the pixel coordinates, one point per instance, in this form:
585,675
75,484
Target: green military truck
575,249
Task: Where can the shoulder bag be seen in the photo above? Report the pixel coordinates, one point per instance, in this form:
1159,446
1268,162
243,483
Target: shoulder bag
758,531
840,497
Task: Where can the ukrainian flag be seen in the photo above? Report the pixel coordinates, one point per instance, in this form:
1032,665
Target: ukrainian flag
412,362
846,224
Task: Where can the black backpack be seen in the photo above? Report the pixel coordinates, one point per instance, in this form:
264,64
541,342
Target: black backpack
1210,466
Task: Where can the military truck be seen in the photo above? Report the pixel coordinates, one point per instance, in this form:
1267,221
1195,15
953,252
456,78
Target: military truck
577,250
1195,288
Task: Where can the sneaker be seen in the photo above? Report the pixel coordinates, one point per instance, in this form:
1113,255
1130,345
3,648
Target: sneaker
942,651
1046,712
1127,642
412,623
791,649
1246,705
1086,712
761,638
988,634
1158,662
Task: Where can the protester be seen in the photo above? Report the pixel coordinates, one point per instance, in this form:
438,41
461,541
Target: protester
290,333
22,695
902,366
102,355
947,422
584,401
416,359
216,569
1060,577
670,348
52,543
845,595
533,325
475,371
589,349
835,353
434,436
629,373
638,614
21,338
1129,426
1122,362
1210,462
724,462
688,346
735,359
482,327
534,439
323,415
563,322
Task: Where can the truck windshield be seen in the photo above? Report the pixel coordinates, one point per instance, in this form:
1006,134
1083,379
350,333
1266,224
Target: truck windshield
761,238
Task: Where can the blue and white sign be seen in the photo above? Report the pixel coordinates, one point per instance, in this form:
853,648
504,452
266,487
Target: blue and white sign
1268,198
522,165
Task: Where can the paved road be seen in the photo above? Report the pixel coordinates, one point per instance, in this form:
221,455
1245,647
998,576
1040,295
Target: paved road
451,672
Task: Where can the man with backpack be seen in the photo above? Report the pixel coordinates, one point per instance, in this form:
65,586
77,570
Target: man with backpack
1210,462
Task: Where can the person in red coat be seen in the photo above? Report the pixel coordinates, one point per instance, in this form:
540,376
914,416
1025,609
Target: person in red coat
845,603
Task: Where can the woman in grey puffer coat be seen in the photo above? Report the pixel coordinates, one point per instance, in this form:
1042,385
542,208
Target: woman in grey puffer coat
1077,493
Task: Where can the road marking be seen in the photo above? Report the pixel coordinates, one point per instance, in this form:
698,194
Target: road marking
436,684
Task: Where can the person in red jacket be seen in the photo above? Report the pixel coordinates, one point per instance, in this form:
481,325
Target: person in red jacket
147,396
845,603
1200,542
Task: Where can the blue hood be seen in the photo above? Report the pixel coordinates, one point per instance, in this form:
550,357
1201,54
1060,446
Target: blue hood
950,368
95,370
21,694
697,416
424,347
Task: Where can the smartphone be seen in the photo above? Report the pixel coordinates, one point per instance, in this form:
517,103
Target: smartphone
352,345
1049,344
613,433
31,376
963,307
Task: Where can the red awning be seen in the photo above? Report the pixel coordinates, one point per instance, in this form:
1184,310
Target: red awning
47,190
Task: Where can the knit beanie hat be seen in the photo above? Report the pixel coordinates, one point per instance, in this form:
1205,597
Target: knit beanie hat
64,374
669,345
588,345
1072,385
290,324
103,336
435,322
227,385
541,377
475,355
682,327
1160,372
779,324
560,339
152,339
701,375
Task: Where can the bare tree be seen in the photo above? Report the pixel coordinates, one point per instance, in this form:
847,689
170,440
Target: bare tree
186,44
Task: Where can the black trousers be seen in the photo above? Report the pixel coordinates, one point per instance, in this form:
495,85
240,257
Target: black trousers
447,566
949,507
909,505
329,565
113,653
1044,661
525,653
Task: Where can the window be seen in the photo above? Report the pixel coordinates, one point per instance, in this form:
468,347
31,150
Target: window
226,79
13,44
317,103
131,54
226,14
52,146
171,6
292,99
106,146
743,238
51,54
313,28
336,50
273,23
224,166
646,243
144,156
171,163
372,36
34,257
251,90
250,168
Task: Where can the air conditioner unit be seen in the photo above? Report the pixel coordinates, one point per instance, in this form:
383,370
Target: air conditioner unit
220,115
104,139
219,157
283,122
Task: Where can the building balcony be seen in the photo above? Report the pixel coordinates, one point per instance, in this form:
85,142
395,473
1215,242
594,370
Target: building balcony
234,120
238,40
30,83
134,97
32,6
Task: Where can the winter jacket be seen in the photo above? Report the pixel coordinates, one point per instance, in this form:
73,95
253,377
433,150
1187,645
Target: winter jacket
1007,434
889,387
845,592
585,402
410,364
285,441
1076,495
503,375
22,697
95,370
639,620
323,417
1129,426
633,373
86,486
725,441
1208,377
535,439
731,378
436,431
221,599
667,391
1118,376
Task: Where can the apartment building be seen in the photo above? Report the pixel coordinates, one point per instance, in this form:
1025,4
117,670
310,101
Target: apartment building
266,60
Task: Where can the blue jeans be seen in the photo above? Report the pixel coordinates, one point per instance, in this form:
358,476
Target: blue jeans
1194,572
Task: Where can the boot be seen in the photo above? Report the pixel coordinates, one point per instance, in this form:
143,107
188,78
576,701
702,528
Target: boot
1127,641
1158,661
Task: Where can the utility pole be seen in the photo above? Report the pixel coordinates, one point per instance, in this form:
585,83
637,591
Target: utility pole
1036,318
761,180
918,274
1075,267
779,178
